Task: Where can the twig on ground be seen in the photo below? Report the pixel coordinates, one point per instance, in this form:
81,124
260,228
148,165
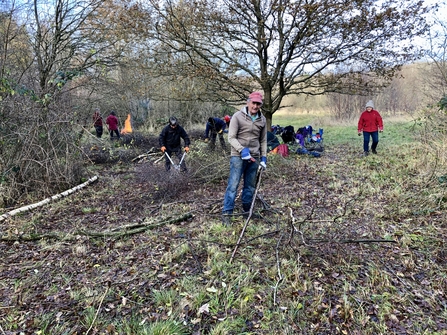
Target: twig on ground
147,154
138,228
159,159
352,241
295,229
99,308
194,255
265,205
278,266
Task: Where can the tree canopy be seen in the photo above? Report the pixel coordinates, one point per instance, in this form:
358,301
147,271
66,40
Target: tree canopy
287,47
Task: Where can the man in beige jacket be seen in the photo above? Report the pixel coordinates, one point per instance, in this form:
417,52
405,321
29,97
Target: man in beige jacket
247,136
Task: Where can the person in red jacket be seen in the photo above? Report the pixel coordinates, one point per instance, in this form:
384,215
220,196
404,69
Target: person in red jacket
370,123
112,123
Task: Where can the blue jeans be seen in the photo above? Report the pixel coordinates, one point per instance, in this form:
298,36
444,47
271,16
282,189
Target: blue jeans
239,168
375,140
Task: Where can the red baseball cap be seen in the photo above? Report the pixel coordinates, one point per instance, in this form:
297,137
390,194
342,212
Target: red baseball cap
255,97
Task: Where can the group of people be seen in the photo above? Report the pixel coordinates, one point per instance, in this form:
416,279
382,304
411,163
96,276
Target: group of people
247,135
111,121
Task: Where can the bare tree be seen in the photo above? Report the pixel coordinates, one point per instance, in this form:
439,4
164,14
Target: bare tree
286,47
436,79
404,94
63,44
344,106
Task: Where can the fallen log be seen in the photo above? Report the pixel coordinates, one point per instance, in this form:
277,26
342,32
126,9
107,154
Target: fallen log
47,200
113,233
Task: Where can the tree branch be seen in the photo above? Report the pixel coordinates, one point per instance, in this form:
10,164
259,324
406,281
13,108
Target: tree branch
47,200
115,232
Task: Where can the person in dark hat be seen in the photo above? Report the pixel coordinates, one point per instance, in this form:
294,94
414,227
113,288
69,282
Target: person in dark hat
170,142
215,126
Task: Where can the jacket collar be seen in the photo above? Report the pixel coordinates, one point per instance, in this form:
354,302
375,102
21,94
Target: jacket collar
258,114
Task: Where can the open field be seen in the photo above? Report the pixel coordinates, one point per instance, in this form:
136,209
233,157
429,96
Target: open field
398,129
344,245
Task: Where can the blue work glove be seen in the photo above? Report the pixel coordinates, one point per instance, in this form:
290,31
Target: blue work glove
226,131
263,162
245,154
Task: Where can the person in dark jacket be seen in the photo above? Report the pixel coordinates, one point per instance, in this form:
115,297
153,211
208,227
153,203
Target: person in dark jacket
214,127
97,123
112,123
169,141
370,123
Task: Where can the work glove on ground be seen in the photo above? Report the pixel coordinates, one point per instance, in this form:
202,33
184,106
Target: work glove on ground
186,149
245,154
163,149
263,162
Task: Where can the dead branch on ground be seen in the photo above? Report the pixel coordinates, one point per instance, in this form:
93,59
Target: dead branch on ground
47,200
115,232
249,215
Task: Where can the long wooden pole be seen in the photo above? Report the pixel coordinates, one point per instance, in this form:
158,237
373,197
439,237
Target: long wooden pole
258,183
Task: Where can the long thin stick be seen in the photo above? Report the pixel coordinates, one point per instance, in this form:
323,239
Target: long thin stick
258,183
99,308
280,277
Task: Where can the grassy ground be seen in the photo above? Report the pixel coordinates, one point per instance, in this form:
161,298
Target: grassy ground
399,130
344,245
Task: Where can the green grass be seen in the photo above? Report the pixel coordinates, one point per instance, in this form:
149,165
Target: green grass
398,130
347,245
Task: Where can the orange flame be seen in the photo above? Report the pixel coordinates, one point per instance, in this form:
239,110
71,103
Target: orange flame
127,126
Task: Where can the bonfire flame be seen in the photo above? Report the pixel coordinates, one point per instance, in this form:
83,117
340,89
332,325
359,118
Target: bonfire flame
127,126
